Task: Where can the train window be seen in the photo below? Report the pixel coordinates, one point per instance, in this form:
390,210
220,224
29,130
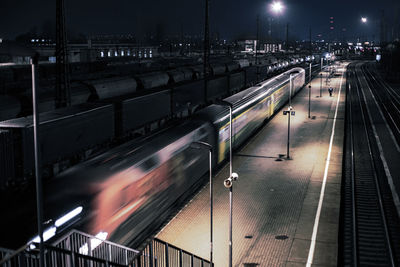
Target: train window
150,163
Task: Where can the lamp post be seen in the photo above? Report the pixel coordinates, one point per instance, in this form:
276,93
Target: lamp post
309,92
320,86
232,176
17,50
39,187
364,20
289,114
276,7
290,90
207,146
228,183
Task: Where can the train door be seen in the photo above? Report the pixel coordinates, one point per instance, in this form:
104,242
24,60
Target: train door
271,105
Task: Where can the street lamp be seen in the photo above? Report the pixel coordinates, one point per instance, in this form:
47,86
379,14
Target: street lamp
320,85
39,187
207,146
364,21
15,50
289,113
277,7
309,92
232,176
228,183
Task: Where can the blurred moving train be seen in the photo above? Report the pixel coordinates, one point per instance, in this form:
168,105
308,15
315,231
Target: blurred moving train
117,109
124,191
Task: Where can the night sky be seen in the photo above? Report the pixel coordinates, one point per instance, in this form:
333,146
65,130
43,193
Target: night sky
230,18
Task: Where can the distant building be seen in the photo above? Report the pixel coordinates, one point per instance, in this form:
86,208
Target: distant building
248,46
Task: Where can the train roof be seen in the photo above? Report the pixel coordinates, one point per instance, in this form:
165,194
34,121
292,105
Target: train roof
216,112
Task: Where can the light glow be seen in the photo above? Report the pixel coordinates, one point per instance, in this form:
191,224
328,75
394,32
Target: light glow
364,20
49,233
94,243
277,7
68,216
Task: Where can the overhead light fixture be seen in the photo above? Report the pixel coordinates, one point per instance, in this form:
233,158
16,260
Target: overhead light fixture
73,213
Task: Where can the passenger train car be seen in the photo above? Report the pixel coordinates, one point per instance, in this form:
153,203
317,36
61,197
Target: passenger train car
123,191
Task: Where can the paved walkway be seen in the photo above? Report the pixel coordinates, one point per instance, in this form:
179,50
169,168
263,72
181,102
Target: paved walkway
276,202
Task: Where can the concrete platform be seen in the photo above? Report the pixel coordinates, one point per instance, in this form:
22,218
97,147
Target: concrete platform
276,202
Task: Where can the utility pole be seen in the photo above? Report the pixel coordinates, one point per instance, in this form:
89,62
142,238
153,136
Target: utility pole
63,96
310,46
287,37
382,28
206,49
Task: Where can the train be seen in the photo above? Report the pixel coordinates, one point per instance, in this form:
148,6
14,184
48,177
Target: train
125,190
122,106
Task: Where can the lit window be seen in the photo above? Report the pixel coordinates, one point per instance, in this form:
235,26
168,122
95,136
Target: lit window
109,54
122,53
101,54
116,53
128,53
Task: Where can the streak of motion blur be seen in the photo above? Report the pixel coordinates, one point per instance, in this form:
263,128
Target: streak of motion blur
126,189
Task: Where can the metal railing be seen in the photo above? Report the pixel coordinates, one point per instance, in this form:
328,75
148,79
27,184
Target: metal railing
77,249
54,257
161,254
5,253
92,246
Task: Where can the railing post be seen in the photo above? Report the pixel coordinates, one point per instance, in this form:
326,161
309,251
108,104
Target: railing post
76,259
151,253
180,258
126,257
139,260
109,253
191,260
72,260
166,255
89,242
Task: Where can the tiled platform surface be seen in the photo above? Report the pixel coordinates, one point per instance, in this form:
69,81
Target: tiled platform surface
275,202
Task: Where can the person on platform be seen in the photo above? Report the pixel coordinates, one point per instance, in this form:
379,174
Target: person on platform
330,90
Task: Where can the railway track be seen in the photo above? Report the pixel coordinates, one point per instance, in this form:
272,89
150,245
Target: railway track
370,232
388,99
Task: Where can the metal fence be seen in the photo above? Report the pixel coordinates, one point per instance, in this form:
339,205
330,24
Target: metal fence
77,249
161,254
92,246
54,257
5,253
